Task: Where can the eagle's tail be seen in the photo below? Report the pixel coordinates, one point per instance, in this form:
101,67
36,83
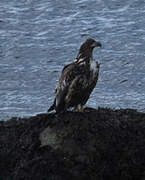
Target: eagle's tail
59,109
52,107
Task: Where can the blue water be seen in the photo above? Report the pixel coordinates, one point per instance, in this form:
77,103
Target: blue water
37,38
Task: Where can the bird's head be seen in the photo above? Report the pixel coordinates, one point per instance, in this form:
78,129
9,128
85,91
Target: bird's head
91,43
87,47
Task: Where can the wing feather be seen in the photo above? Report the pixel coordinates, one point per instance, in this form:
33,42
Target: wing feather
67,76
77,87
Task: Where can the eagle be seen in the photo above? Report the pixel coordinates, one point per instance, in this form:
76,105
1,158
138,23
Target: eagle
77,80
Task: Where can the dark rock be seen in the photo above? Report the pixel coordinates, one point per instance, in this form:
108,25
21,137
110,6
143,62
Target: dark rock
101,144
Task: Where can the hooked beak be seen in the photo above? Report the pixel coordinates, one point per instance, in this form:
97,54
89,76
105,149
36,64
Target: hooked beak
97,44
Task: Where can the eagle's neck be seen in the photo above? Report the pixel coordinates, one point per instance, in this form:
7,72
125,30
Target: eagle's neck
84,56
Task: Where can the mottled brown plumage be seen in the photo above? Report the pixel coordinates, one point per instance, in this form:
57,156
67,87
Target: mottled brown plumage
77,79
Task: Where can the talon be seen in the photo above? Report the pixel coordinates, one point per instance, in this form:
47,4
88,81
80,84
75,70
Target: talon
77,109
81,109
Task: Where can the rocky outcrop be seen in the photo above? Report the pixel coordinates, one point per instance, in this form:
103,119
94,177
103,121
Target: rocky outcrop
101,144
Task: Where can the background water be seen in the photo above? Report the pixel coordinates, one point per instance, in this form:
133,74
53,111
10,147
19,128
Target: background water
37,38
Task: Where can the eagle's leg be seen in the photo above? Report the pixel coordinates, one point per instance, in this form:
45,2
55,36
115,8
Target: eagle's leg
81,108
78,108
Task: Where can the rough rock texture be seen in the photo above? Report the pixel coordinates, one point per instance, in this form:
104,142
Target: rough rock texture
101,144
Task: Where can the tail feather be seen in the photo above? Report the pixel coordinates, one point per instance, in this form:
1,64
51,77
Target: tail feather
52,107
59,109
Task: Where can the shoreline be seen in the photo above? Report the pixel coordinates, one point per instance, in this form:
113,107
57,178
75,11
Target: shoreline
96,144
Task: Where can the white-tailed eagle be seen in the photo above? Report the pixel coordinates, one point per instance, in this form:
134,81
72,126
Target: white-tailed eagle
77,79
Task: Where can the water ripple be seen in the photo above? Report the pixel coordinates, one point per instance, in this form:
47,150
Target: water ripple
39,37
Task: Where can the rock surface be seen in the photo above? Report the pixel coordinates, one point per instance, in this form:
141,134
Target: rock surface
101,144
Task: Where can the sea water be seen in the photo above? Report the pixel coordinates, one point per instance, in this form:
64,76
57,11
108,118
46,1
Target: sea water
37,38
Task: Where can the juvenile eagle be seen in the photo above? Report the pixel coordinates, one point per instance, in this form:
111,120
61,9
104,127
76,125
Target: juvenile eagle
77,79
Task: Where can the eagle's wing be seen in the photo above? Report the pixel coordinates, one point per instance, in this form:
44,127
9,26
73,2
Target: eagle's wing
76,89
81,87
68,74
